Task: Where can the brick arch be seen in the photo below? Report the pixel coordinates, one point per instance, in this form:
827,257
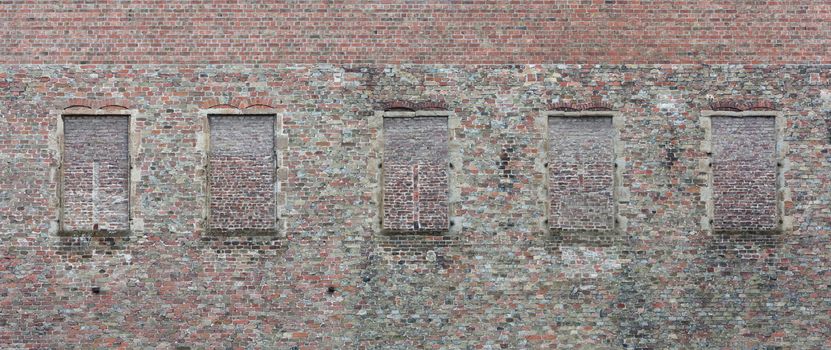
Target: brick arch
432,105
581,107
88,103
113,106
257,106
741,105
79,103
400,105
239,103
413,106
257,103
74,106
221,105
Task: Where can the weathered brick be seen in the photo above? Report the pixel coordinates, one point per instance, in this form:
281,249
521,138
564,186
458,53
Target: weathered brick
424,32
581,173
242,173
744,173
415,174
95,173
497,279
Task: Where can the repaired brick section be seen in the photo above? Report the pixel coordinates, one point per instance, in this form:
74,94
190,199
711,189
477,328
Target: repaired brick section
581,174
744,174
242,174
415,174
95,174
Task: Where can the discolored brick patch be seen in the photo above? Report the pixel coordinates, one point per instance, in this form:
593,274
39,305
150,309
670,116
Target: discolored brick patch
242,174
581,173
95,174
744,173
415,174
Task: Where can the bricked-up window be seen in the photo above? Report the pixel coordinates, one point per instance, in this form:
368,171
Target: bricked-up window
242,175
415,173
581,174
744,173
96,171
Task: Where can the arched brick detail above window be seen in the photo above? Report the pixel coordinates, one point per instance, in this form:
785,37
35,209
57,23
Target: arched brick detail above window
105,104
413,106
580,107
741,105
78,103
239,103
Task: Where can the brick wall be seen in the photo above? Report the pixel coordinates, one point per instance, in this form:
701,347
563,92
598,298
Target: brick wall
242,173
498,279
333,280
415,174
95,173
427,32
581,173
744,173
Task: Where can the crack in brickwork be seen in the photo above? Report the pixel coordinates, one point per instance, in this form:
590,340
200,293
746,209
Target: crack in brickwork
415,174
241,180
95,173
744,173
581,173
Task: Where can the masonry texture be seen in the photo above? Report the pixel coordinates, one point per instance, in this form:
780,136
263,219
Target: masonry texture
581,173
448,31
497,277
95,173
415,174
242,173
744,173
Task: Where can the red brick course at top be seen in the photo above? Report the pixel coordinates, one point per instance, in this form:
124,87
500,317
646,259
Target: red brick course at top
464,32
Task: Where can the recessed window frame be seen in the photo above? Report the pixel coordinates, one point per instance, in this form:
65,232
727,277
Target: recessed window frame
375,168
785,222
618,194
279,149
58,145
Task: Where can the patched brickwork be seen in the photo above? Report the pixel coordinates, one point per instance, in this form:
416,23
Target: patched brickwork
415,174
744,173
496,280
581,173
95,173
242,173
670,276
